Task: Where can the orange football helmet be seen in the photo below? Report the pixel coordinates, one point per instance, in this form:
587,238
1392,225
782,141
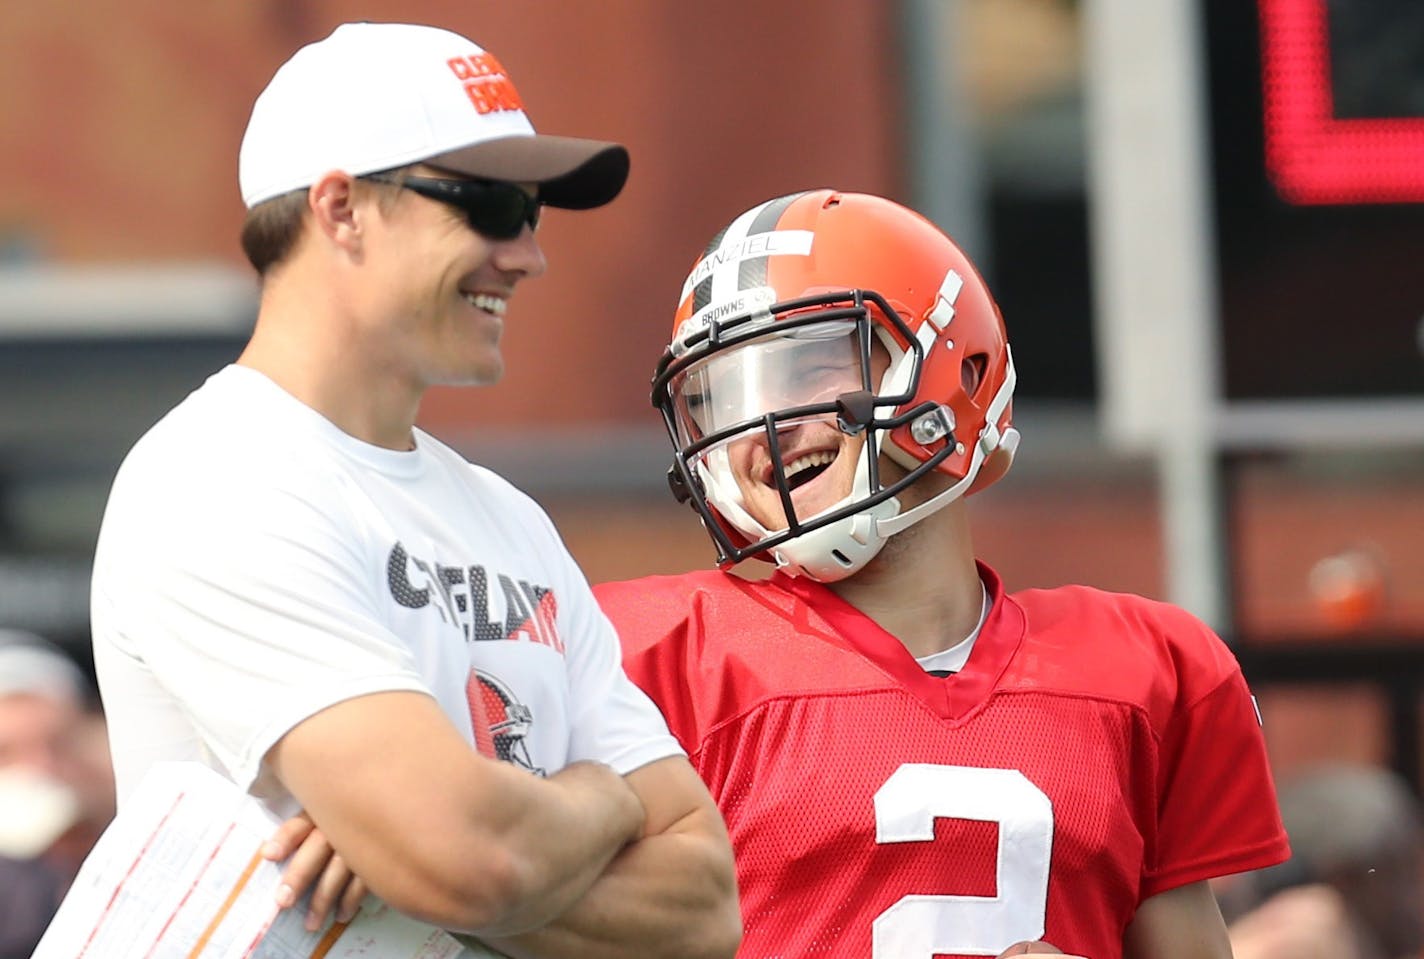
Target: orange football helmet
819,281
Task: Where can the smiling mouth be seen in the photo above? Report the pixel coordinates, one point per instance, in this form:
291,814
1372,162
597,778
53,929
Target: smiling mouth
803,469
487,302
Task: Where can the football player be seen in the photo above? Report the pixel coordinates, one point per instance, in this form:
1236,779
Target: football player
913,760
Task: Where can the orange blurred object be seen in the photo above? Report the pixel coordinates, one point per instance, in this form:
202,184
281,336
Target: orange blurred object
1348,588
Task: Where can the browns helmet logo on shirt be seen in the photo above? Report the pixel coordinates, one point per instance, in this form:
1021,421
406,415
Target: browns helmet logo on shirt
508,720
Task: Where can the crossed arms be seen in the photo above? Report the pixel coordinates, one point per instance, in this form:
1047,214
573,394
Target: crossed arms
584,862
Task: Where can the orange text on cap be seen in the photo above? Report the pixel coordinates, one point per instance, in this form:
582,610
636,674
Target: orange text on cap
486,83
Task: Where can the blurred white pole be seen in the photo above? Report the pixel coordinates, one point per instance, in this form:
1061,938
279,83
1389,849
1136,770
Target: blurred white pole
945,171
1152,249
125,300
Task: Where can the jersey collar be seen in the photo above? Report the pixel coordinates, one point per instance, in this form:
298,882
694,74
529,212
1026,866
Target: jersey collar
952,697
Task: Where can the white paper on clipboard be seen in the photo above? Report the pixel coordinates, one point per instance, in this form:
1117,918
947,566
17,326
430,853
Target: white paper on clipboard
178,875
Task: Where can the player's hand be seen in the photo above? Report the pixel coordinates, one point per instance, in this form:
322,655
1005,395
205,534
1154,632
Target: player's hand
314,865
1038,949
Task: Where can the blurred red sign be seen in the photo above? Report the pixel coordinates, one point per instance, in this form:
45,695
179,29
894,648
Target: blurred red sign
1314,155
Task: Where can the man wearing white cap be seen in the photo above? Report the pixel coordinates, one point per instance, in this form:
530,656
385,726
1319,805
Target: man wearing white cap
301,589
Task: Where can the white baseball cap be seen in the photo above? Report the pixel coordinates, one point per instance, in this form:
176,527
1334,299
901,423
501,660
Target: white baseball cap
29,665
373,96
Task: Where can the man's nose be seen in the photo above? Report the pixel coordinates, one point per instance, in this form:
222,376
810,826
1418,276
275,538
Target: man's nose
521,254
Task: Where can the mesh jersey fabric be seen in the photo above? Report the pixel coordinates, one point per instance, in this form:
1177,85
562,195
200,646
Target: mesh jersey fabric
1096,749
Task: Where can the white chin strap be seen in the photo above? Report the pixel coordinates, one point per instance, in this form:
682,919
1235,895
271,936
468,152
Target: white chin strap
838,549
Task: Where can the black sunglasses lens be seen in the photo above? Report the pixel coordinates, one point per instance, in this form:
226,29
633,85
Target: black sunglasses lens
500,210
494,209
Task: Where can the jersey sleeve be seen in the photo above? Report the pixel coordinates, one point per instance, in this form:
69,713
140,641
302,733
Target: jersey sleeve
1217,810
249,606
656,656
612,720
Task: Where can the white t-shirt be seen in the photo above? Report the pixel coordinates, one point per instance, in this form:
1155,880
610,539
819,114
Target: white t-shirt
256,565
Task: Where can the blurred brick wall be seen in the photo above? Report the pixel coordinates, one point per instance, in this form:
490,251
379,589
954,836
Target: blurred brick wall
120,124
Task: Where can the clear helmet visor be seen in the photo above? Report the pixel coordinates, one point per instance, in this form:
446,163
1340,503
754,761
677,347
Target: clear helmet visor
762,427
788,368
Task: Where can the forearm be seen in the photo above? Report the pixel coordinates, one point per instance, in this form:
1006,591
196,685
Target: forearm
562,848
560,871
478,844
673,894
1182,923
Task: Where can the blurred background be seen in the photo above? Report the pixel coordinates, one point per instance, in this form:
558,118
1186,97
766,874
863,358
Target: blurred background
1203,220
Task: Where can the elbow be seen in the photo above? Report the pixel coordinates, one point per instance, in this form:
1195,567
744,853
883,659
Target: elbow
722,932
724,919
714,929
724,935
718,934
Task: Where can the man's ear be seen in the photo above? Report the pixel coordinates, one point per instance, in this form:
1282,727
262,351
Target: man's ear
332,202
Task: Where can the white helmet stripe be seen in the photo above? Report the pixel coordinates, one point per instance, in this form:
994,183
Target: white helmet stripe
727,273
737,261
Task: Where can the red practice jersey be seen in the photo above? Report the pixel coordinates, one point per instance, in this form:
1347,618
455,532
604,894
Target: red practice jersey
1097,749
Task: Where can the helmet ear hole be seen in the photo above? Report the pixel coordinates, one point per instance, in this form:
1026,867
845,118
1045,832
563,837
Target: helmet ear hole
971,372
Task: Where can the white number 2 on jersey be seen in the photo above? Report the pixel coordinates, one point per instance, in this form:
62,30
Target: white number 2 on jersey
918,927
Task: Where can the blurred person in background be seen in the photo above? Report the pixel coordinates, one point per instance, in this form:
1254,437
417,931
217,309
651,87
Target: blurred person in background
911,759
29,895
56,784
1354,885
301,589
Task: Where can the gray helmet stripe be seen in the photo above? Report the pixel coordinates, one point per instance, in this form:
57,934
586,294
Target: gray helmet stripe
753,272
724,276
702,294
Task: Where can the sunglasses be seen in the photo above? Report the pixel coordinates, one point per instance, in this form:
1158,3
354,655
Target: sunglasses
495,209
